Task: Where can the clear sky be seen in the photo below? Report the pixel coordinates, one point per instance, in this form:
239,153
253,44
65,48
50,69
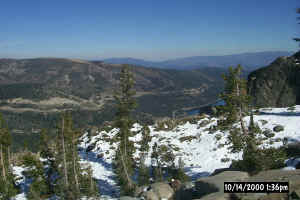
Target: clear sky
148,29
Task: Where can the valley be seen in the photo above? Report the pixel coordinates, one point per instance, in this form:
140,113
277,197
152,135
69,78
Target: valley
33,92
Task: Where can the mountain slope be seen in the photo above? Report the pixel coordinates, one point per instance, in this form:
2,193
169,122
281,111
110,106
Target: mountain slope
201,149
277,85
34,91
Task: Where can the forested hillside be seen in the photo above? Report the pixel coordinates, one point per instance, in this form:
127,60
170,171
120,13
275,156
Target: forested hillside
34,91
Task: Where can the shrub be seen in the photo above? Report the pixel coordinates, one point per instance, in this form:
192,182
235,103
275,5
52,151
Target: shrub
225,160
263,122
218,137
268,133
261,159
292,108
178,172
235,140
187,138
165,125
29,159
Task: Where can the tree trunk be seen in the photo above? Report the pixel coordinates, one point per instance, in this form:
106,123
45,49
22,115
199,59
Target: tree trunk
126,172
123,162
64,154
2,162
240,115
9,158
244,129
91,183
74,163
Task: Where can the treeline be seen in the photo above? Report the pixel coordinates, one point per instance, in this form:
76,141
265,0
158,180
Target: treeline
33,91
54,170
242,137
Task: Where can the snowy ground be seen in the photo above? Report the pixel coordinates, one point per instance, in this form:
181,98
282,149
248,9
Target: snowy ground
201,155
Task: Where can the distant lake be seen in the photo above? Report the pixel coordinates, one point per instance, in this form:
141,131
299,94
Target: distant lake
205,109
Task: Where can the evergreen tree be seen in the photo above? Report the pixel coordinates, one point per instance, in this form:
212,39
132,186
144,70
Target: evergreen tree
145,140
47,153
7,188
236,140
125,102
235,96
156,165
71,173
178,172
89,186
298,12
63,185
144,174
163,157
237,102
39,189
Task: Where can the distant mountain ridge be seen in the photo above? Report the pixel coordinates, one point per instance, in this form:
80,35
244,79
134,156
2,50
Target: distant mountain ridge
249,61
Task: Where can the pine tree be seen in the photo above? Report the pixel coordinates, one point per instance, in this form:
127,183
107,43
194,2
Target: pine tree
72,183
298,12
179,172
47,153
156,166
237,102
66,158
125,104
39,188
144,174
145,139
89,187
235,96
7,188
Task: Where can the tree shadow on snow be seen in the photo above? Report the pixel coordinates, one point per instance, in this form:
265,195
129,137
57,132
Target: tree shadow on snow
285,114
92,157
106,188
194,176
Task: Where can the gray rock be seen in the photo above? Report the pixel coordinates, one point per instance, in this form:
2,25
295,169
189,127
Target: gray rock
217,196
128,198
268,133
263,122
292,176
183,193
158,191
278,128
268,84
139,190
215,184
150,195
162,190
188,185
204,123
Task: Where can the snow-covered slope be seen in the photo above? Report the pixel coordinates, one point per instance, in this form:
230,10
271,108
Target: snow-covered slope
202,150
205,152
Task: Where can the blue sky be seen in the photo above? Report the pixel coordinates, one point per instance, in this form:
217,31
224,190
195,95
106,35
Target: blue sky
148,29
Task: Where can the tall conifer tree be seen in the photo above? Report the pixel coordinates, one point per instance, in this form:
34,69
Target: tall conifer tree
7,188
144,173
125,104
298,12
237,102
235,96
